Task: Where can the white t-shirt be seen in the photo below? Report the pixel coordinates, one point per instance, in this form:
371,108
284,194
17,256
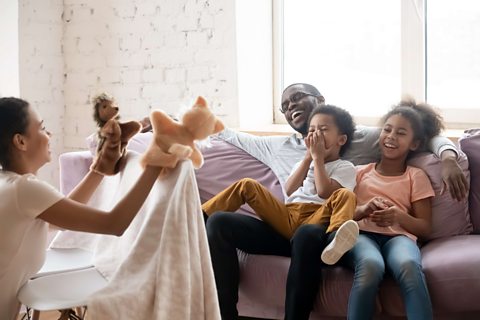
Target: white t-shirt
339,170
23,238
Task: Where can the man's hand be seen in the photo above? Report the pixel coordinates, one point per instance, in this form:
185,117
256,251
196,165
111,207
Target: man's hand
453,178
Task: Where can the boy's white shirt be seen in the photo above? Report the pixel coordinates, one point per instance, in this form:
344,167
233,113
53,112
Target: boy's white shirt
339,170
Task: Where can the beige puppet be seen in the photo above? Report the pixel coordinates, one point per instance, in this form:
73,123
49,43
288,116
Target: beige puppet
173,141
113,136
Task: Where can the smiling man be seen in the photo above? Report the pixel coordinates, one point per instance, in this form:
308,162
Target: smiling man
281,153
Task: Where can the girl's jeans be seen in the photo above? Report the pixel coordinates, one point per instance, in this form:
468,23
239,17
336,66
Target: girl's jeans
401,257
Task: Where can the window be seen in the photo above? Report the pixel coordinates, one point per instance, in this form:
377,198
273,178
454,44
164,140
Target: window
366,55
453,59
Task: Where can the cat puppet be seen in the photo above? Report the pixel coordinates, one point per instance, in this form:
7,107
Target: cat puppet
174,141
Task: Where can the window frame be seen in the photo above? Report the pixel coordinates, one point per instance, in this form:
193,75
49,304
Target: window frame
413,64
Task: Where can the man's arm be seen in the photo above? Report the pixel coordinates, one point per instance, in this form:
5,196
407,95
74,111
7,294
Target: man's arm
452,175
263,148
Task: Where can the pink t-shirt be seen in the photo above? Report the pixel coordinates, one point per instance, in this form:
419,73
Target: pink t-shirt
402,190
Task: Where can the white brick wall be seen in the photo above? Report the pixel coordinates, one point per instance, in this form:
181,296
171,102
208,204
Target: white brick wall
147,53
41,70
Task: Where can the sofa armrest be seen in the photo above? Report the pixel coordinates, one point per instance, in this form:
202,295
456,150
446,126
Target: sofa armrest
73,167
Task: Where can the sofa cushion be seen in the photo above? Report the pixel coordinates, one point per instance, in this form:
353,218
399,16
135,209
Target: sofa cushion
452,269
137,143
470,144
224,164
449,217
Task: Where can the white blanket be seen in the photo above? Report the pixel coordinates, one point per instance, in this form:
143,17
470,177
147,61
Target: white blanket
160,268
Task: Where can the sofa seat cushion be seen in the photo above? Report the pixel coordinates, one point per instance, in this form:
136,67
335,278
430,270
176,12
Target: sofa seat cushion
452,269
263,282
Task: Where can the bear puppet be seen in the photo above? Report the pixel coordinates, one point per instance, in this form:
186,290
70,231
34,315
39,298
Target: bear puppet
113,136
173,141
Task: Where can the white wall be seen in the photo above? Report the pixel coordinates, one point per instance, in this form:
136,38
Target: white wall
148,54
41,70
9,84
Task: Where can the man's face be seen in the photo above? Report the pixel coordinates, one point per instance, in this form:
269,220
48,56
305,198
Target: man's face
297,104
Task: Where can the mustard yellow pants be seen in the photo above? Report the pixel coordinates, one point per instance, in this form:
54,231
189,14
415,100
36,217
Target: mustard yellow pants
284,218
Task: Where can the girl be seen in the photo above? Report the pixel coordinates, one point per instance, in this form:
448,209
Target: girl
28,203
393,209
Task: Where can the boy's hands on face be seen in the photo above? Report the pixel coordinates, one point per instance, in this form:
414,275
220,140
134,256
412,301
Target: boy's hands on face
316,145
308,154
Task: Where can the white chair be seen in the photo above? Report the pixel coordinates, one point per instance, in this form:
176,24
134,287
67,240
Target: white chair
61,291
59,260
63,260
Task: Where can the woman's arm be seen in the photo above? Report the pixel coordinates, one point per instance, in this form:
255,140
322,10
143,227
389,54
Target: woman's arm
84,190
73,215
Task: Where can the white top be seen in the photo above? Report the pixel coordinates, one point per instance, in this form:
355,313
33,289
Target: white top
281,153
23,238
339,170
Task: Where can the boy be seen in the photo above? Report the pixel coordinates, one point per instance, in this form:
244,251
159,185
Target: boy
319,189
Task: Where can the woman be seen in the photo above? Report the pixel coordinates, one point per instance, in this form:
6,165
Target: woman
28,203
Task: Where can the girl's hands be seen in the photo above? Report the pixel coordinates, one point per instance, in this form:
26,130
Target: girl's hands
384,213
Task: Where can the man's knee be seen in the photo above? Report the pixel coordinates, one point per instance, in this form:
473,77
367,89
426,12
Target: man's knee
309,235
217,224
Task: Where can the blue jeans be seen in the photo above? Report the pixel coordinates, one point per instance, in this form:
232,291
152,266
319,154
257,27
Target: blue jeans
401,256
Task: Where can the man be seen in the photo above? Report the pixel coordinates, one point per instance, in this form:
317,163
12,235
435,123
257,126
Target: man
228,232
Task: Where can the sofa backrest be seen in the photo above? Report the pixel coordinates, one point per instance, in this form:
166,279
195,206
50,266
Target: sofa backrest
470,144
449,217
224,164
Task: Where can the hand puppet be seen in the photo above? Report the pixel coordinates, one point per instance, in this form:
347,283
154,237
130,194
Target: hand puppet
113,136
174,141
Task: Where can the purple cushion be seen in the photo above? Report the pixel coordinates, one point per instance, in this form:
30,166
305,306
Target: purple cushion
452,269
137,143
73,167
225,164
449,217
470,144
